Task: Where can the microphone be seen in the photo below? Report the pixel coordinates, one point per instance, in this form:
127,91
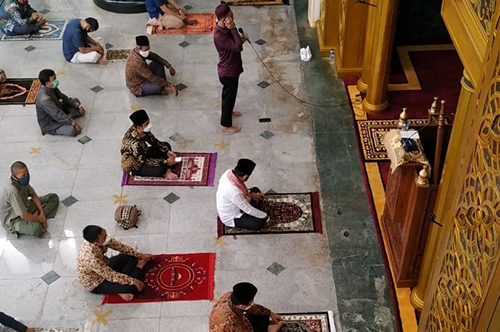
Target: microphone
240,30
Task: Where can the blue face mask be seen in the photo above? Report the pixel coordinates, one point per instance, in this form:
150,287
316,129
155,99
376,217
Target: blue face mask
55,83
24,181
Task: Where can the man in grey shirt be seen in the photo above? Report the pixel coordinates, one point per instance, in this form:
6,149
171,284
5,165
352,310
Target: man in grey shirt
56,112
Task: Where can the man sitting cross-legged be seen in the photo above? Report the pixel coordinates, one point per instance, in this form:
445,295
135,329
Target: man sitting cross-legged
78,46
121,274
236,311
142,153
21,210
56,112
143,79
237,206
172,18
17,17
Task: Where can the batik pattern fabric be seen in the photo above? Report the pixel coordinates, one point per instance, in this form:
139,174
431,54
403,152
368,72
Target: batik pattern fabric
135,149
12,13
225,317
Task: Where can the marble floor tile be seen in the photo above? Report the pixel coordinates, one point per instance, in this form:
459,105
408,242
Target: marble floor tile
131,325
65,263
181,324
85,213
185,308
25,297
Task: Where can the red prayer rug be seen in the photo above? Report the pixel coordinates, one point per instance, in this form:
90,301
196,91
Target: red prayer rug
195,169
308,322
290,213
205,26
19,91
178,277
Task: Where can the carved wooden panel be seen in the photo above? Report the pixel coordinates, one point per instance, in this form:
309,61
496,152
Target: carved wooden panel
484,10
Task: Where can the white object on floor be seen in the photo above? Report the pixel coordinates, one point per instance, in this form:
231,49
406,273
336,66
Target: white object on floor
305,54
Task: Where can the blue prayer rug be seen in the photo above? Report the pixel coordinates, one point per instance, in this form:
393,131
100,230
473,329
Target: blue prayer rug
52,30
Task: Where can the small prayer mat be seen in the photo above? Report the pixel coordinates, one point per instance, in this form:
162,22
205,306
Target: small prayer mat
195,169
257,2
117,55
52,30
19,91
205,26
178,277
290,213
308,322
371,136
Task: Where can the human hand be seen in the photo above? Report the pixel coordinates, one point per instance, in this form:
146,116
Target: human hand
244,37
98,47
146,257
229,23
171,154
81,110
257,196
275,317
139,284
30,329
171,70
175,90
77,127
182,14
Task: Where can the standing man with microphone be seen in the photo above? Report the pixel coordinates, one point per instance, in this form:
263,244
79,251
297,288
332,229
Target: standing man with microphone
229,45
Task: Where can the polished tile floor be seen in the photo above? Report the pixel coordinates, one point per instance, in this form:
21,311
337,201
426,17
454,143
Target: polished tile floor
37,276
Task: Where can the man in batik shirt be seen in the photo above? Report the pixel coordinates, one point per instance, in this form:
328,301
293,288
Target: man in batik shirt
17,17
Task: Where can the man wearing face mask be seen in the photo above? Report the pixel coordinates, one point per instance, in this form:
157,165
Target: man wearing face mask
236,311
142,153
78,46
22,211
56,112
121,274
143,79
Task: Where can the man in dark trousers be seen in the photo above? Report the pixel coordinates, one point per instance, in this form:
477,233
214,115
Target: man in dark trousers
229,45
8,321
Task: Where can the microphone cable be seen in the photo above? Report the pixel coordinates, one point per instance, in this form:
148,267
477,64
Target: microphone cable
345,103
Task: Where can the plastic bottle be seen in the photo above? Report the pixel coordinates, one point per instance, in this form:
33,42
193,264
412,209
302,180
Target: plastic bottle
332,56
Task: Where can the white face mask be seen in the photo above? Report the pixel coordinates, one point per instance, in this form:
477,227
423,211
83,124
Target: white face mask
148,128
144,54
107,240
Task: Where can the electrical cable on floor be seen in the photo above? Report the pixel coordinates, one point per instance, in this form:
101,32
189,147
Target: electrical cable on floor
344,103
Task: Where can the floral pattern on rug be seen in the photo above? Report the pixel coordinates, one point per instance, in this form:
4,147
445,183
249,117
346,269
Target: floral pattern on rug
307,322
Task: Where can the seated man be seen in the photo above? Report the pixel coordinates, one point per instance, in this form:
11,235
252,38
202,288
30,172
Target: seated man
121,274
4,90
142,153
8,321
236,205
172,18
143,79
236,311
78,46
18,18
19,213
56,112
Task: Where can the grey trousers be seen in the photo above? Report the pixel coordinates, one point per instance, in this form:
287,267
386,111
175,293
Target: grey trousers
149,88
67,130
27,29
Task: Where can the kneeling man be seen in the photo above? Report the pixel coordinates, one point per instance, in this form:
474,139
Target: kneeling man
121,274
237,206
171,18
236,311
22,211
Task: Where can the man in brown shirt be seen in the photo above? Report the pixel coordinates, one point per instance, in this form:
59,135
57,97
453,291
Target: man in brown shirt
121,274
143,79
236,311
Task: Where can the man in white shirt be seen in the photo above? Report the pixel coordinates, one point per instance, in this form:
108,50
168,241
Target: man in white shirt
237,206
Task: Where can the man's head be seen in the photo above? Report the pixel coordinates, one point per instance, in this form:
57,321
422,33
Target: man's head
223,11
23,2
96,234
20,173
89,24
243,295
244,169
48,78
141,122
142,43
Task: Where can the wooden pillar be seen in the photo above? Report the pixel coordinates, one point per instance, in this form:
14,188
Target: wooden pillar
386,12
370,41
327,27
419,293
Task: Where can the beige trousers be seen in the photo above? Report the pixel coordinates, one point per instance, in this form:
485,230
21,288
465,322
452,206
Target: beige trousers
171,22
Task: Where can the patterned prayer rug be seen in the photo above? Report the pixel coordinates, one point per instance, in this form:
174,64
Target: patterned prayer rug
62,329
290,213
52,30
195,169
205,26
257,2
117,55
19,91
183,277
308,322
371,136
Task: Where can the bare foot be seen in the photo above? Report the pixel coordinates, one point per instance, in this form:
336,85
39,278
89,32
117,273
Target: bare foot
141,263
170,175
231,130
102,61
81,111
127,296
237,113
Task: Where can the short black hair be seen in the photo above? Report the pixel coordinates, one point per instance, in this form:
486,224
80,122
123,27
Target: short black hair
45,75
16,166
94,25
91,233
